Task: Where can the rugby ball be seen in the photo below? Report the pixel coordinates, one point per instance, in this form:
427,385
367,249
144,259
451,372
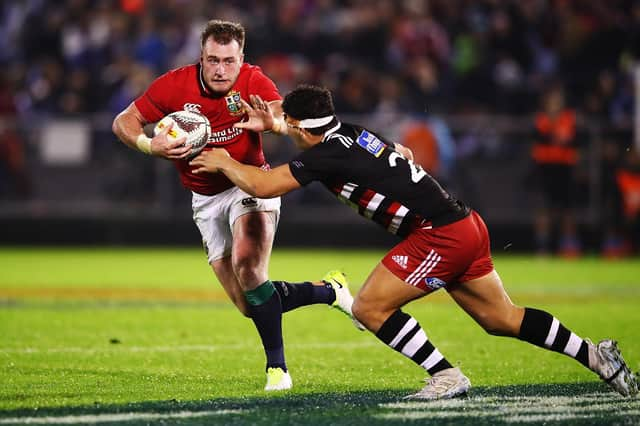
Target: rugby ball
194,126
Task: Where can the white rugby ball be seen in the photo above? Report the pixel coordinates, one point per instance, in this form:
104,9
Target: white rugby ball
195,127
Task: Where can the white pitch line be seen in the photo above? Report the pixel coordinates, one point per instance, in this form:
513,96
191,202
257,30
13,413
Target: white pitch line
184,348
514,409
116,417
544,418
511,400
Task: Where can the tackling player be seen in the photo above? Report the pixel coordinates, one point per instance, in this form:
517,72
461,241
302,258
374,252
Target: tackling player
237,229
444,243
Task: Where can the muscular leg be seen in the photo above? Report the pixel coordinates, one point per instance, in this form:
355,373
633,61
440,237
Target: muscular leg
224,271
486,301
377,306
292,295
253,235
380,296
252,240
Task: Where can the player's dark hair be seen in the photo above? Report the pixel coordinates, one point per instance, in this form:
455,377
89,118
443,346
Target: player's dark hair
223,32
308,101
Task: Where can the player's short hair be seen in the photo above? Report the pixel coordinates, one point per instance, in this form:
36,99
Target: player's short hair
308,101
223,32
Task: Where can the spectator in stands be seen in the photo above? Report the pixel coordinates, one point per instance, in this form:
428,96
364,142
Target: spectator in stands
628,179
14,179
555,158
614,244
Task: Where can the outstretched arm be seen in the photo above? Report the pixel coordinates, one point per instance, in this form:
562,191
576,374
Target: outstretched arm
252,180
263,116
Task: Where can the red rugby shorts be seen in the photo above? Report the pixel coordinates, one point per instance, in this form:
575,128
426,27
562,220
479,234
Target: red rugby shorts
434,258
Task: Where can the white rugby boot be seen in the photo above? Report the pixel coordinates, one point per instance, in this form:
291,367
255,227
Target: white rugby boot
606,360
344,299
445,384
278,379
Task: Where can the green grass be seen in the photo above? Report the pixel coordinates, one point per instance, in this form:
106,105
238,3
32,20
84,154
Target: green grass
143,348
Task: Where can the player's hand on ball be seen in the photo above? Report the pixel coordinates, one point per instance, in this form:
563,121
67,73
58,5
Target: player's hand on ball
259,115
168,147
181,134
209,161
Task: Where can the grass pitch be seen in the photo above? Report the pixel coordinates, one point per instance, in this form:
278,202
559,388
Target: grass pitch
114,336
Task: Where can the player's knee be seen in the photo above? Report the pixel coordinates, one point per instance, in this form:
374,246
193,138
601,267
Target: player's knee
498,325
249,273
358,309
369,314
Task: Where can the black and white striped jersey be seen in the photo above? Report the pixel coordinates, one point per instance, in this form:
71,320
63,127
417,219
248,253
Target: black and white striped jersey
364,171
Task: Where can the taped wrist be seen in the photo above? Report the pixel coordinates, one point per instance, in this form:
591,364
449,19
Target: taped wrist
143,143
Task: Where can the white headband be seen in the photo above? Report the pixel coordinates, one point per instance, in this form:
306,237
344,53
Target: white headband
314,123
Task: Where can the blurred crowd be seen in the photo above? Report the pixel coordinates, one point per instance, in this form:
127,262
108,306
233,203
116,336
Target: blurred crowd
77,56
380,57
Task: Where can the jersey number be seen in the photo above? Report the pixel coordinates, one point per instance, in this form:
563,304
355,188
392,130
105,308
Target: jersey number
417,173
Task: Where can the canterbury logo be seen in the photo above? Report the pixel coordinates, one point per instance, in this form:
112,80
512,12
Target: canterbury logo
401,260
192,107
249,202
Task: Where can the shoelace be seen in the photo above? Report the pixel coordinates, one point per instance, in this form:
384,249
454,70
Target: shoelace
611,356
440,384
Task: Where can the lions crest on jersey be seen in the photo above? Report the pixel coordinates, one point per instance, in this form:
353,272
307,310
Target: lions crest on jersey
370,143
233,103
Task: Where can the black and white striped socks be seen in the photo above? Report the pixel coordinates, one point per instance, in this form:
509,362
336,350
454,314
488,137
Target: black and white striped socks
543,329
403,333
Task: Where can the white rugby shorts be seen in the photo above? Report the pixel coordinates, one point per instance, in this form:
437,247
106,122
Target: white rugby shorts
215,215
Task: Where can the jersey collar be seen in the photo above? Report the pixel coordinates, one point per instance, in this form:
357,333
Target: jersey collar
331,130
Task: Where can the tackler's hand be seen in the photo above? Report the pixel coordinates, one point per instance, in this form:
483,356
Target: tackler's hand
259,115
209,161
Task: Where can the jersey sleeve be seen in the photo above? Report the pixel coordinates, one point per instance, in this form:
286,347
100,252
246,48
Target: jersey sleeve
260,84
153,104
317,163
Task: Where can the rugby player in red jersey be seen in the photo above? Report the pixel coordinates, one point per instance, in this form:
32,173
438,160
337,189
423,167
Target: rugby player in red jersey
237,229
445,244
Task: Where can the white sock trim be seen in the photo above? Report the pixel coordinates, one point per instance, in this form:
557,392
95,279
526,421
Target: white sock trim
551,337
573,346
407,328
414,344
432,359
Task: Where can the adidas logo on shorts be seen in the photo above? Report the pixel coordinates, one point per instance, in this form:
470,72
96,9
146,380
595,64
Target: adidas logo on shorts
400,260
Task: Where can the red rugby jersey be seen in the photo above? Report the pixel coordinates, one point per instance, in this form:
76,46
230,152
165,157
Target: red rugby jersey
183,88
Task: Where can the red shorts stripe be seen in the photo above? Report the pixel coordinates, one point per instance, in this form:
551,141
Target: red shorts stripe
433,258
